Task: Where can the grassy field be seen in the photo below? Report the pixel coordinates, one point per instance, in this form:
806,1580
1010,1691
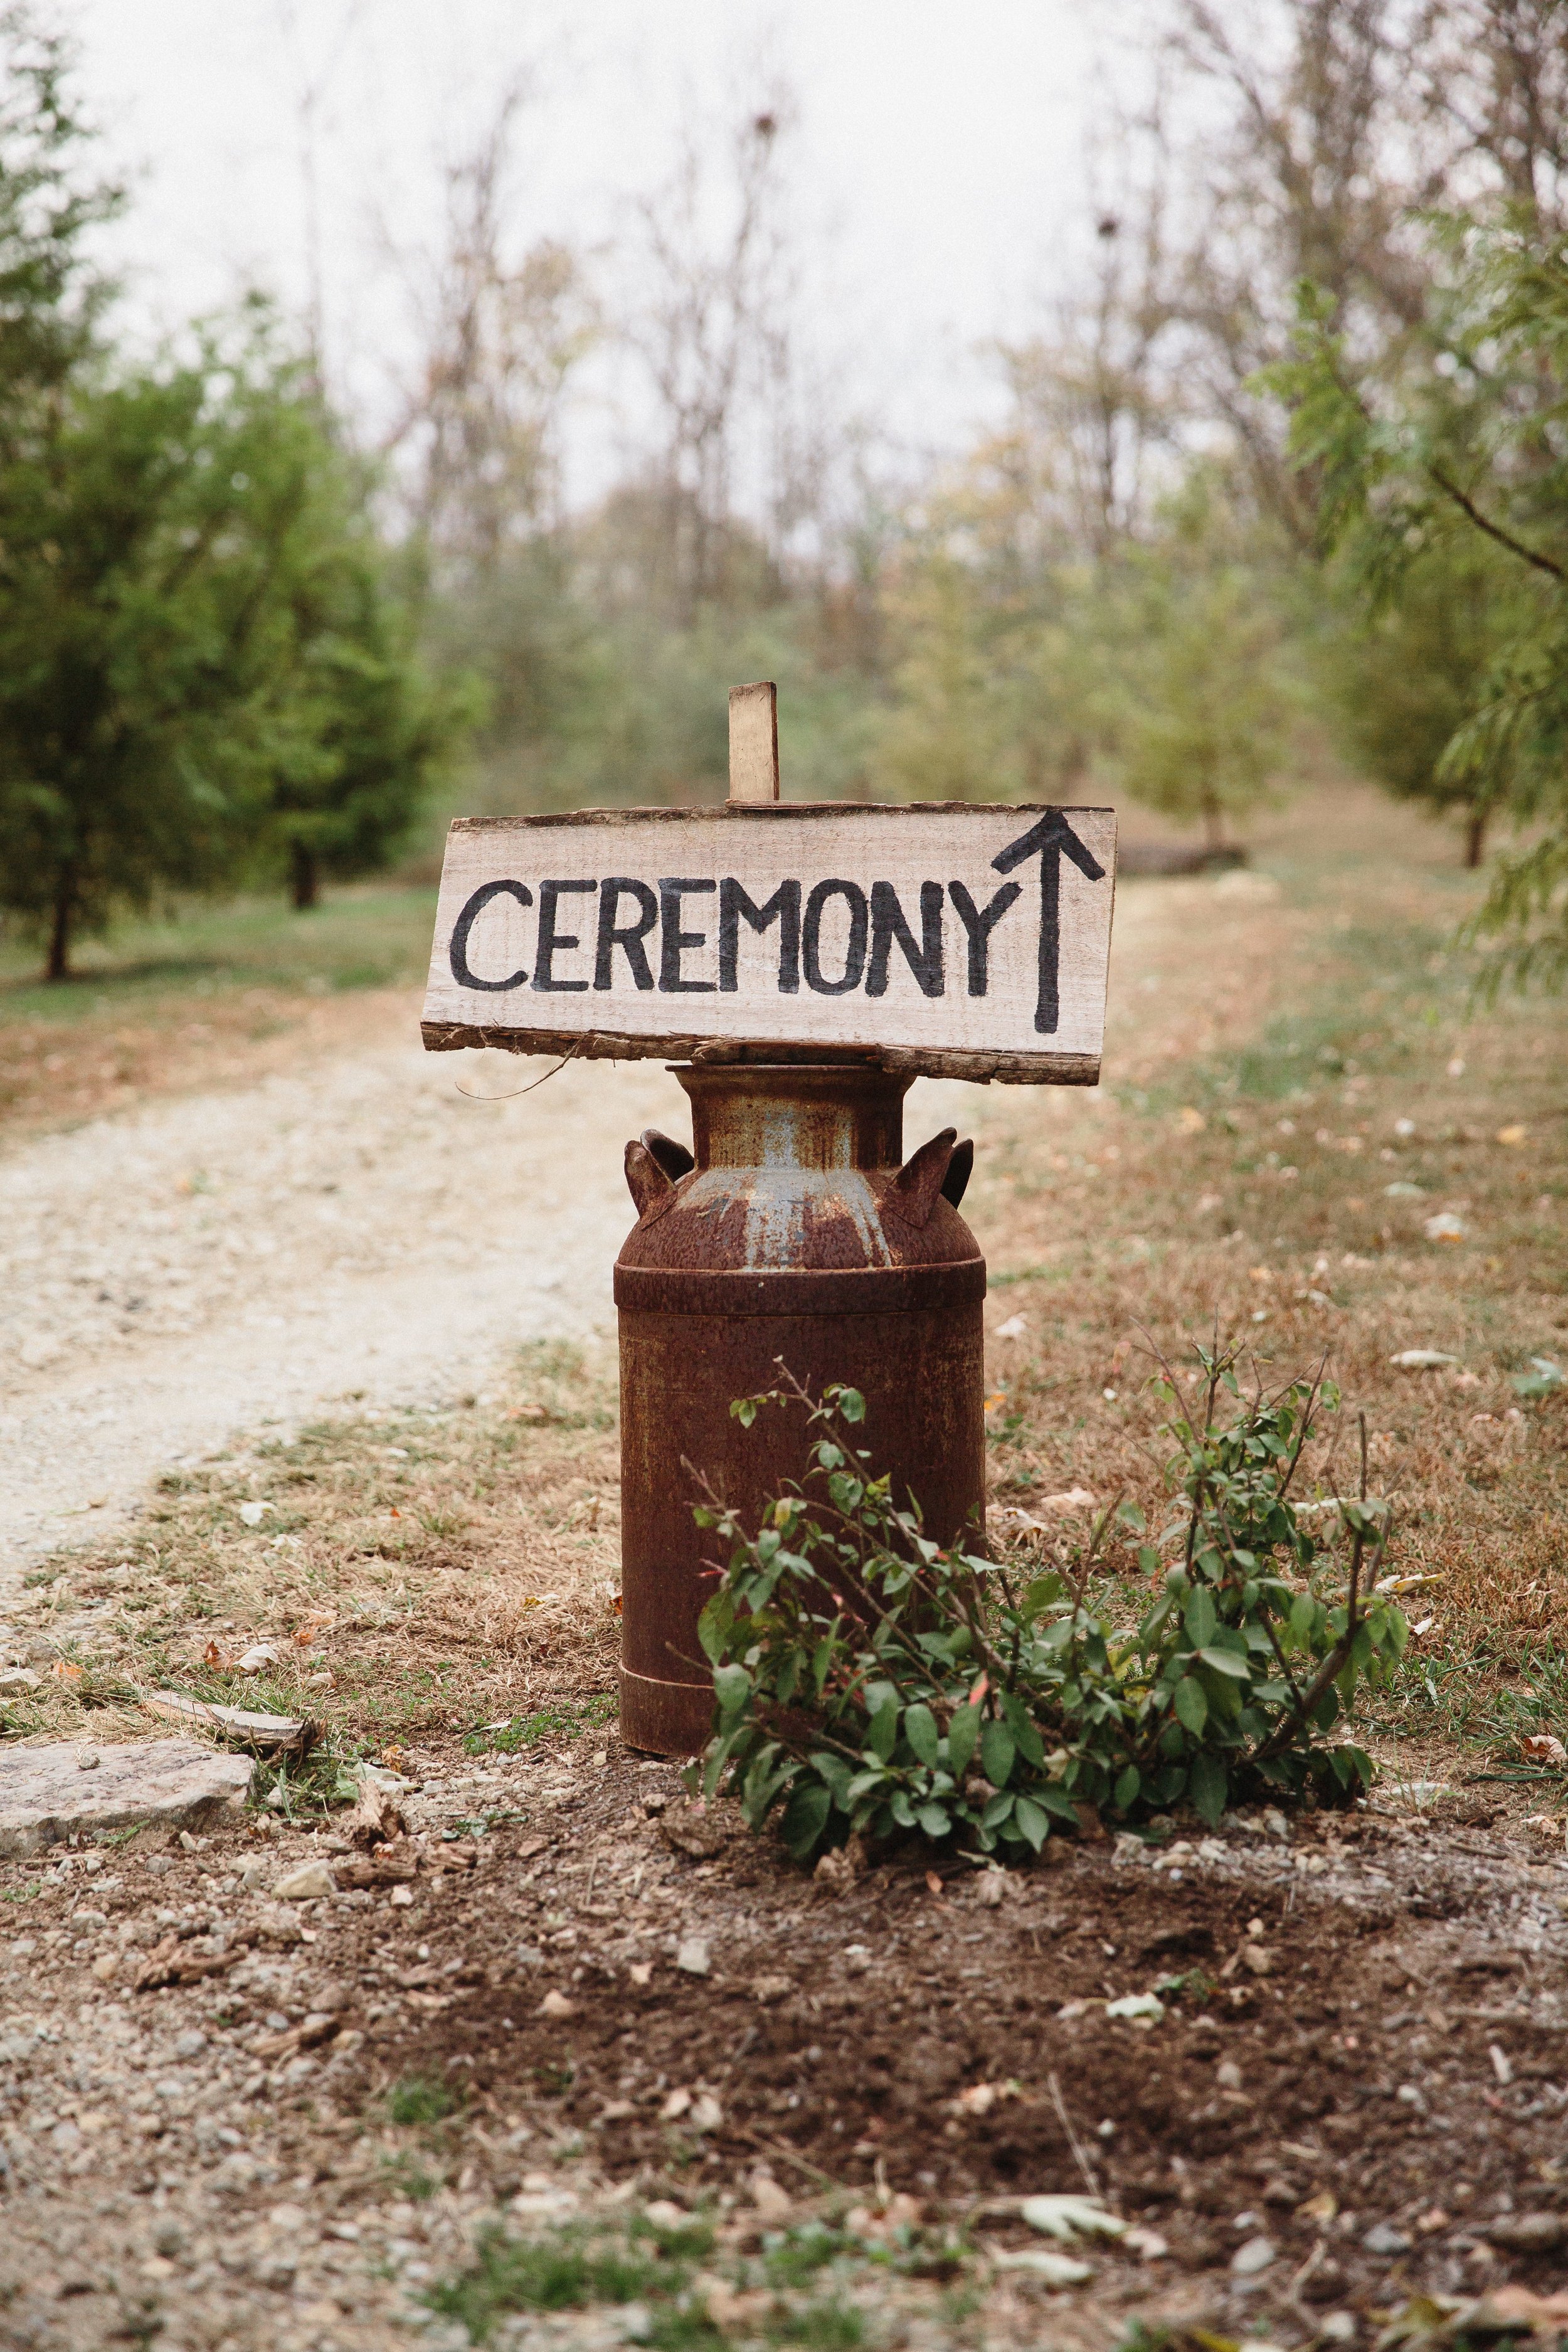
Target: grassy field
1347,1160
193,997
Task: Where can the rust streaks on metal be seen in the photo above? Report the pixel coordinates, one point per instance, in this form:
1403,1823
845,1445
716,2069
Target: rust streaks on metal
799,1236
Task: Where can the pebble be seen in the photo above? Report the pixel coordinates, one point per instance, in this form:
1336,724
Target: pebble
307,1884
1251,2259
693,1958
1384,2239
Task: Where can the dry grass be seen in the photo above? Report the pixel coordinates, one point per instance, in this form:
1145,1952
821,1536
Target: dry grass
418,1573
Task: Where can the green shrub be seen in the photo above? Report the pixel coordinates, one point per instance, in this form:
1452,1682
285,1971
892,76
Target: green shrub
870,1681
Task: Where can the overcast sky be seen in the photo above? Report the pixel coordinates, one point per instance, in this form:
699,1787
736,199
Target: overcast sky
940,163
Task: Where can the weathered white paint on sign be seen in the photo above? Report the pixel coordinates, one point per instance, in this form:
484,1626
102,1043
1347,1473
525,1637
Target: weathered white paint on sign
951,939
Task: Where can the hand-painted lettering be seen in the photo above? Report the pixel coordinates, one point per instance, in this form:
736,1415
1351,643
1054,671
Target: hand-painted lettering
782,908
811,938
980,922
628,937
552,942
674,941
887,924
462,931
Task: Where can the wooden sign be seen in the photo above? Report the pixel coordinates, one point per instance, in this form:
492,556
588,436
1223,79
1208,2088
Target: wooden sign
948,939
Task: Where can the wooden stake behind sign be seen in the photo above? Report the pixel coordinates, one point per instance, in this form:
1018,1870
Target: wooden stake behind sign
949,938
753,743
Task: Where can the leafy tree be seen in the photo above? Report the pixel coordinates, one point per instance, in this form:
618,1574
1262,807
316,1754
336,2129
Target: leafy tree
1402,678
1468,451
1202,703
199,673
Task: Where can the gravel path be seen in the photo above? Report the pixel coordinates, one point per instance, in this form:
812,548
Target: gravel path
239,1257
358,1227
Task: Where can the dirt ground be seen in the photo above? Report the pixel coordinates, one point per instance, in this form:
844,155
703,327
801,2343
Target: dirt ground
572,2065
1354,2095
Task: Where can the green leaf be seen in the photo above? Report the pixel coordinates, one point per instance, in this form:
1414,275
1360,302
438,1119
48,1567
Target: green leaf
851,1403
997,1751
936,1821
1128,1783
732,1689
1191,1708
997,1808
962,1734
1201,1619
1208,1788
883,1730
1226,1662
920,1731
715,1625
805,1818
1031,1820
1042,1592
744,1409
1057,1803
1024,1732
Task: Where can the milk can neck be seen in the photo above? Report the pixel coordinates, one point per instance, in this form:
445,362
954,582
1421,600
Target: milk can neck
773,1116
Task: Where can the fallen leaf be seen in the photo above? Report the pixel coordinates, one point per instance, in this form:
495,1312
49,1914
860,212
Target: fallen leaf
1071,1498
307,1631
253,1513
259,1655
1446,1226
62,1671
1068,2216
1146,2243
1136,2007
1544,1748
1013,1328
1422,1360
675,2107
1513,1136
707,2115
1054,2270
1190,1120
933,1884
219,1659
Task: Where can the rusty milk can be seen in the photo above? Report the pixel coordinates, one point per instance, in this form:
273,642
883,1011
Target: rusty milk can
794,1232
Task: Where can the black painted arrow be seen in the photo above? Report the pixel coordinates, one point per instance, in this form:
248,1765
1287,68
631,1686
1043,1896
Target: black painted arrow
1050,839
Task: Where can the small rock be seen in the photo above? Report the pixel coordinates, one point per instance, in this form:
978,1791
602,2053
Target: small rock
774,2204
771,1989
641,1973
88,1760
1384,2239
1258,1958
1275,1822
1527,2234
693,1958
706,2114
401,1897
307,1883
694,1828
45,1798
837,1870
104,1967
1251,2259
1227,2074
675,2107
556,2004
17,1678
991,1887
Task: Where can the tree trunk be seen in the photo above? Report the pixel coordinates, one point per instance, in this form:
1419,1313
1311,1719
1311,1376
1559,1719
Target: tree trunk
302,878
1475,836
58,965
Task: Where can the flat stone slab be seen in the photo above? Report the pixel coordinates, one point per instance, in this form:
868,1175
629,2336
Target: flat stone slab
47,1794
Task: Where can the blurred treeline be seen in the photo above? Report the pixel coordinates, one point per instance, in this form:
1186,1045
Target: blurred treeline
1285,463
